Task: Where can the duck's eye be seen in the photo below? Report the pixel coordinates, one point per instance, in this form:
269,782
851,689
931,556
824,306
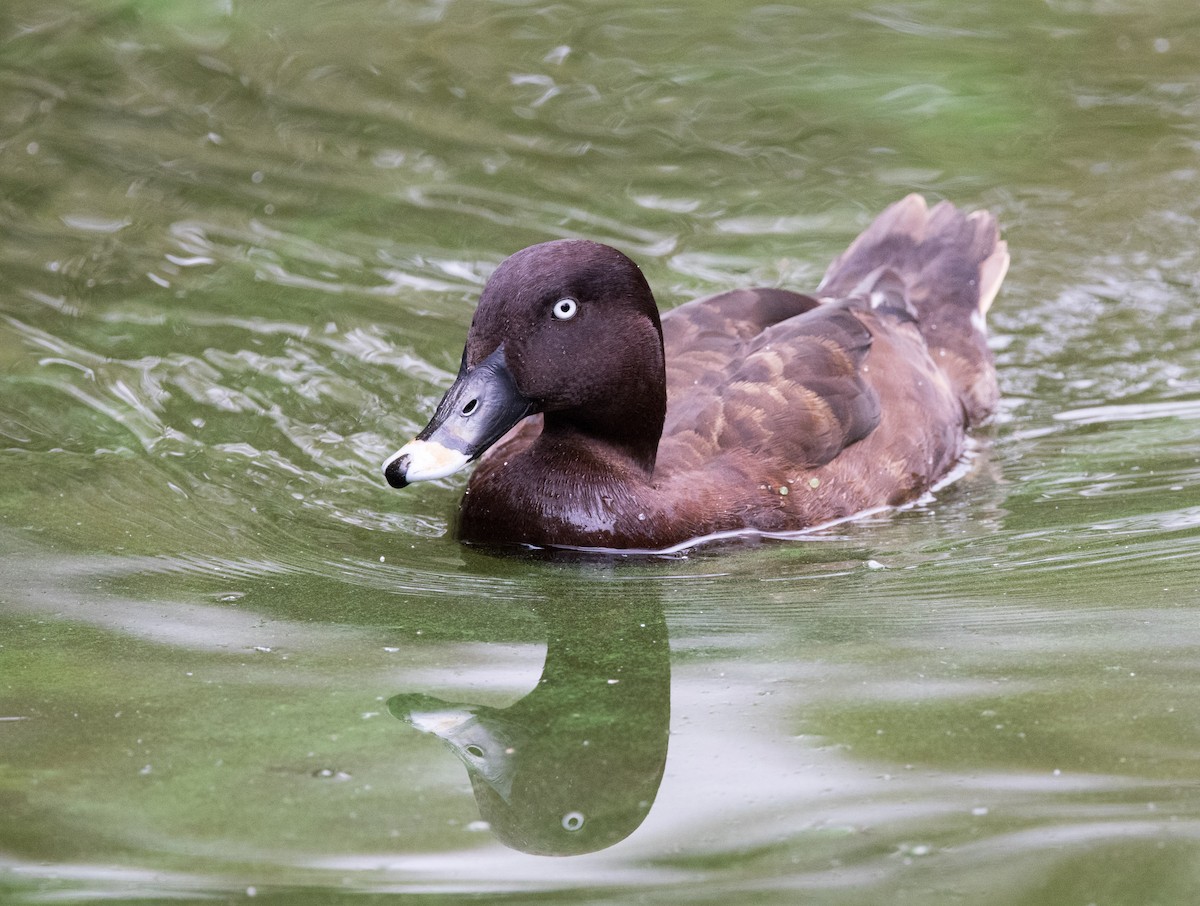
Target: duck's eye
564,309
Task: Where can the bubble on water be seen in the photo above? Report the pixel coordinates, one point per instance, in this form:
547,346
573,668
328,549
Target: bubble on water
331,774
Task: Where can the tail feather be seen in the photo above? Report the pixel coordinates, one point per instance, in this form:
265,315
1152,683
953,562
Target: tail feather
951,266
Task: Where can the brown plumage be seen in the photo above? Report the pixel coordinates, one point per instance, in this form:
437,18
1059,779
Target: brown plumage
782,411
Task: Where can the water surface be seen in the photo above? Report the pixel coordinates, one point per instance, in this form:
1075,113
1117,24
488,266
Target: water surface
241,245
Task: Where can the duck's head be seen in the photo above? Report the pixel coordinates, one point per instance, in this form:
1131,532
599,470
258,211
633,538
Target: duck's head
566,328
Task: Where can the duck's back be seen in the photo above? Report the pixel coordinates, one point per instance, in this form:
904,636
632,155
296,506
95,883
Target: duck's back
764,370
786,410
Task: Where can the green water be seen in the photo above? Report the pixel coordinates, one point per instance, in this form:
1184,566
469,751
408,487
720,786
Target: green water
240,245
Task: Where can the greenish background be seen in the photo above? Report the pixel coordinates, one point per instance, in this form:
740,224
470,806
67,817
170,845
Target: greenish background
240,245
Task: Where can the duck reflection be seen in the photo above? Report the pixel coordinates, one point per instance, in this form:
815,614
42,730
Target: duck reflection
574,766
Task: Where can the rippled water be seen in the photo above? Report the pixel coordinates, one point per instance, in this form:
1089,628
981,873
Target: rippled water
240,247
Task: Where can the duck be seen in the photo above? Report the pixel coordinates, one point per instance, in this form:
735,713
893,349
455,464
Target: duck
599,424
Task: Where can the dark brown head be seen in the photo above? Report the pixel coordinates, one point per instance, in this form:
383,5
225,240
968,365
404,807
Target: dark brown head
566,328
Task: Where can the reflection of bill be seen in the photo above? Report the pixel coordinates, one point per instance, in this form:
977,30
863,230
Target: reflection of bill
574,766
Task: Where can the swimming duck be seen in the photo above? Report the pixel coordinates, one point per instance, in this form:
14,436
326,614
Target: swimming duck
599,425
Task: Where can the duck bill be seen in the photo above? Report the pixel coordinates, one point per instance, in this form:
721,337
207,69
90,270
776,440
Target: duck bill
478,409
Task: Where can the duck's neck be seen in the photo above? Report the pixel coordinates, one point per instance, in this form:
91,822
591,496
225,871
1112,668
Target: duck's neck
625,414
575,450
568,488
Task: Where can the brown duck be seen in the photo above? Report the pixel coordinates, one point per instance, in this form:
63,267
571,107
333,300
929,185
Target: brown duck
756,410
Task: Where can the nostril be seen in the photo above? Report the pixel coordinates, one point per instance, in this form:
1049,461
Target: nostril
470,407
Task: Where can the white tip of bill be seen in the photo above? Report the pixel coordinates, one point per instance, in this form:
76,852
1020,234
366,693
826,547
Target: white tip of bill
427,460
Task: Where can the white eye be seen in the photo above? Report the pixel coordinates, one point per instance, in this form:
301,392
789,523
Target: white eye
564,309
